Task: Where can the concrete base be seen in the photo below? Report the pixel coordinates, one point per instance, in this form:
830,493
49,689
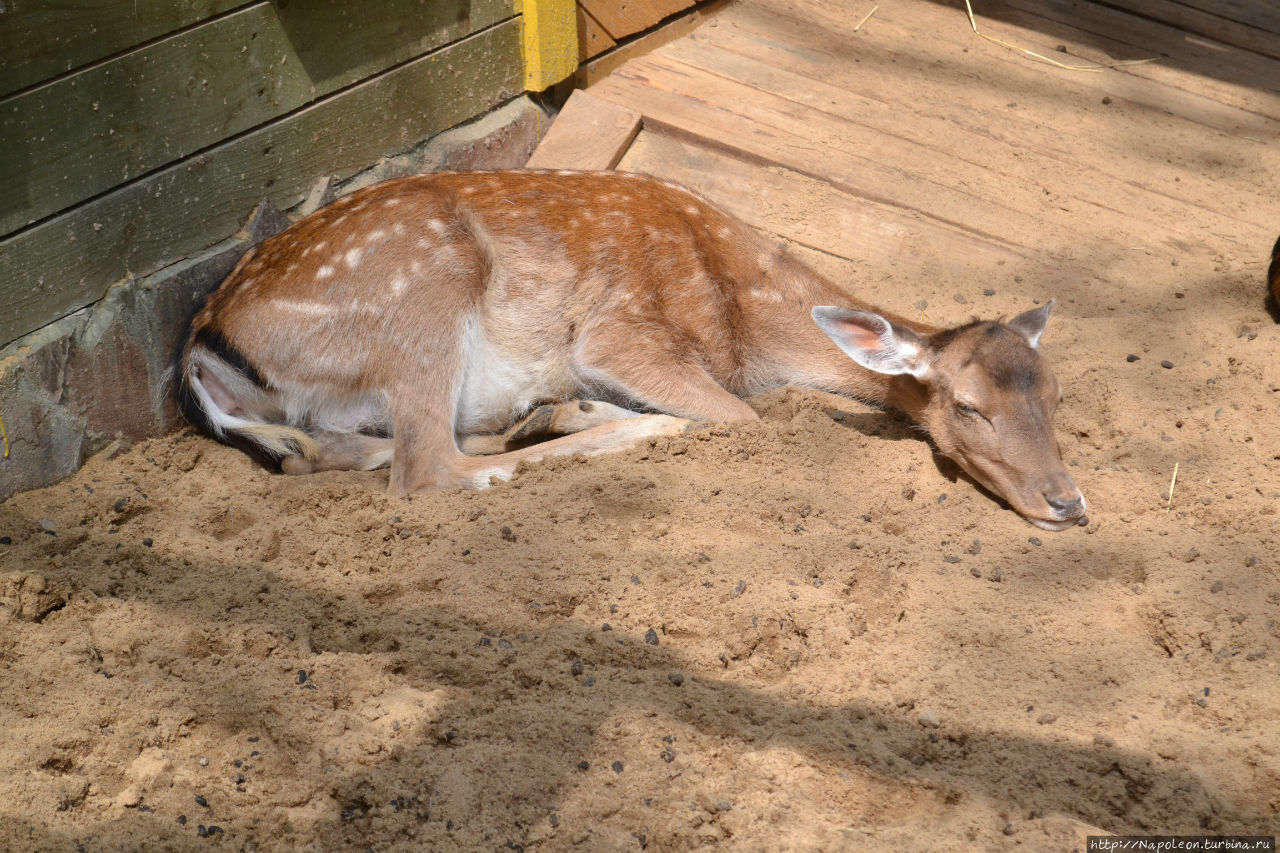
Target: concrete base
97,376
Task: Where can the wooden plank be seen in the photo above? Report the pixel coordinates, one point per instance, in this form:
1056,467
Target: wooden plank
82,135
877,235
589,133
550,42
1251,29
1260,16
760,43
1191,69
1241,79
602,66
592,39
69,261
858,160
40,40
624,19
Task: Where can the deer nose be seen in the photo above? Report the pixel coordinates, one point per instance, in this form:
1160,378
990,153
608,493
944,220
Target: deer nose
1065,508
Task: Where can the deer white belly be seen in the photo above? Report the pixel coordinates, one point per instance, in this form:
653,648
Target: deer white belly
502,383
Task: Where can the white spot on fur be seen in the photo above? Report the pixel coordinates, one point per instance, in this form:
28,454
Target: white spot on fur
724,233
310,309
437,226
391,202
397,285
352,258
692,210
377,235
324,271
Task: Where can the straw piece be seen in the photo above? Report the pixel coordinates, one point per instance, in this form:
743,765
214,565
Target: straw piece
1096,69
1169,506
5,436
867,18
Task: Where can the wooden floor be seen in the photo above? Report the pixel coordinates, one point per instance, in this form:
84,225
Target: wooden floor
928,166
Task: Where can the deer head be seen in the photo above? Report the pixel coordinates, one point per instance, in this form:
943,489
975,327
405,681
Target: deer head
985,395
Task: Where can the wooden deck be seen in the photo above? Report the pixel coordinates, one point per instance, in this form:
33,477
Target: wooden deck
928,167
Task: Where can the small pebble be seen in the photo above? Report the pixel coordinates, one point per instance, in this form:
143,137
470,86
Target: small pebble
201,801
976,572
1034,540
576,667
606,627
1132,357
302,676
739,589
668,755
988,292
147,543
1166,364
723,805
617,766
1046,719
651,637
1106,99
1217,587
1008,829
582,765
204,762
182,820
675,678
46,524
928,717
5,540
1104,740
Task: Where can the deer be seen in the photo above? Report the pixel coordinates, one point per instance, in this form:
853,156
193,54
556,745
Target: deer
438,323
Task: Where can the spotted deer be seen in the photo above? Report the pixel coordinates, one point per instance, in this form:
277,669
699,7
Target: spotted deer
412,322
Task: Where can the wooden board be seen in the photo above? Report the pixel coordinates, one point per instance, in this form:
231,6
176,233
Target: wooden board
39,40
69,261
80,136
592,39
589,133
620,20
1252,26
729,115
850,227
811,69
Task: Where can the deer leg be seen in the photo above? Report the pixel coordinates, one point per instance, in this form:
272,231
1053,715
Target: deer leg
566,418
653,375
609,437
341,451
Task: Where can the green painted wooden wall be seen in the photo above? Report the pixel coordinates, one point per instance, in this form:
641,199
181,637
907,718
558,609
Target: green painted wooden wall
136,132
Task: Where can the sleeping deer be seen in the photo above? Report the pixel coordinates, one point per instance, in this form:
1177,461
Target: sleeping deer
412,322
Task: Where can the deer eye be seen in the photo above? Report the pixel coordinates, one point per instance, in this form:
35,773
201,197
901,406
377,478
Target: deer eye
967,410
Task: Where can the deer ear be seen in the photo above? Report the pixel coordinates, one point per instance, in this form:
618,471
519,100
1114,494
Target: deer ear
873,341
1030,324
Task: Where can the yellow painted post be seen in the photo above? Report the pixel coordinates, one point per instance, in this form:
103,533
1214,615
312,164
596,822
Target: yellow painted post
550,42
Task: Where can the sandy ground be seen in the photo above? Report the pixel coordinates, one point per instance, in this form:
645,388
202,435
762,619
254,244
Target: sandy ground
802,634
793,635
